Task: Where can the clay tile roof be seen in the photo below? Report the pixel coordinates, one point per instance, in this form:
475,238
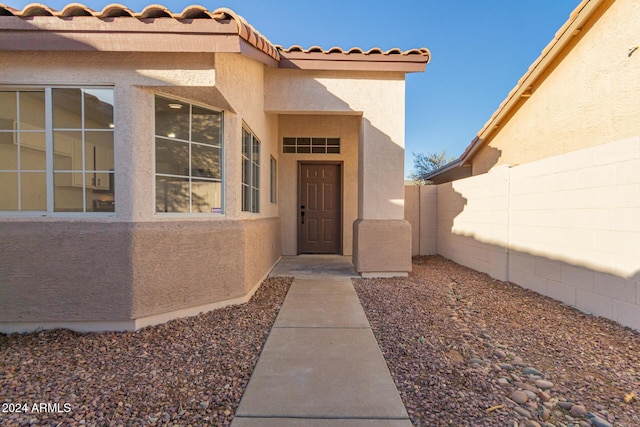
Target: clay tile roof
355,51
154,11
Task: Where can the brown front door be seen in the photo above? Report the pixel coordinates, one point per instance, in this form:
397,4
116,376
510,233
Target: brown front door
319,208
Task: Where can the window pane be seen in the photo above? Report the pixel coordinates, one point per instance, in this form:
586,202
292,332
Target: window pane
9,191
172,119
288,149
274,179
255,200
172,157
318,141
172,194
206,126
205,195
33,191
333,150
255,175
246,172
246,142
205,161
67,193
8,110
67,104
318,150
33,154
289,141
304,149
8,151
67,147
98,108
99,150
104,203
246,198
32,110
333,141
304,141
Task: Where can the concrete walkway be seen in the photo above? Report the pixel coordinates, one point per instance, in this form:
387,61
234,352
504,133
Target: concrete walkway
321,365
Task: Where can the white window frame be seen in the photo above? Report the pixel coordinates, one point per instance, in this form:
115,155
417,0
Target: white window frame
223,165
49,153
252,161
273,180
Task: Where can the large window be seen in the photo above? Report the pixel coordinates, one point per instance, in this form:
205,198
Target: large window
188,157
57,150
250,172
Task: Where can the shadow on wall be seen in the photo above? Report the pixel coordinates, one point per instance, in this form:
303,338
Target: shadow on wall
580,284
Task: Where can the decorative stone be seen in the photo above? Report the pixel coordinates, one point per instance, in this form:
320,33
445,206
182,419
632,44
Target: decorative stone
531,395
597,421
505,366
544,396
565,405
519,397
503,381
500,354
532,423
523,412
578,410
544,384
532,371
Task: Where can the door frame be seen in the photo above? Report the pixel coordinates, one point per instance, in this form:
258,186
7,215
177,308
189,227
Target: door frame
340,164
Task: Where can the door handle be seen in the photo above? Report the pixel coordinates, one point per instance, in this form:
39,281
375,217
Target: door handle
302,215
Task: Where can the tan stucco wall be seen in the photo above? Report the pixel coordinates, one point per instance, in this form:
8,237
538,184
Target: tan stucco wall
590,98
69,271
164,263
344,127
566,226
200,262
380,99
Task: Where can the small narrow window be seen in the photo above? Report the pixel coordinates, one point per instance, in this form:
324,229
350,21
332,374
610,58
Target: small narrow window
305,145
250,172
274,180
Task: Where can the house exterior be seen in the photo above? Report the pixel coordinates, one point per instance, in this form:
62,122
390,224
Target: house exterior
155,165
548,193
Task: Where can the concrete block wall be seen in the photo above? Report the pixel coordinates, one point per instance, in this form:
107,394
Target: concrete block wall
421,211
574,229
473,222
567,227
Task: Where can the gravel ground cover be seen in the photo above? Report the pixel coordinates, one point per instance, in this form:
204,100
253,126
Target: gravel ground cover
467,350
189,371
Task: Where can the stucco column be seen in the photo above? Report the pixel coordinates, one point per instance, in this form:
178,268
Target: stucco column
381,235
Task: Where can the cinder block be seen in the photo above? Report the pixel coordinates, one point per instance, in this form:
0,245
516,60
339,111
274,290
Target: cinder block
577,276
594,303
548,269
626,219
522,262
627,314
616,287
627,172
528,280
562,292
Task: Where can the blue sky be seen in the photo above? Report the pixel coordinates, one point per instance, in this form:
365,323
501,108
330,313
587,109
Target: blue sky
480,49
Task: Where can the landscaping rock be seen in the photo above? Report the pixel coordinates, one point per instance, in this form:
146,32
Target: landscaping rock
519,397
544,384
589,360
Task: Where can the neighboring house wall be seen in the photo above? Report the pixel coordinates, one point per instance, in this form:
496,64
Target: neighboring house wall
346,128
566,227
589,98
